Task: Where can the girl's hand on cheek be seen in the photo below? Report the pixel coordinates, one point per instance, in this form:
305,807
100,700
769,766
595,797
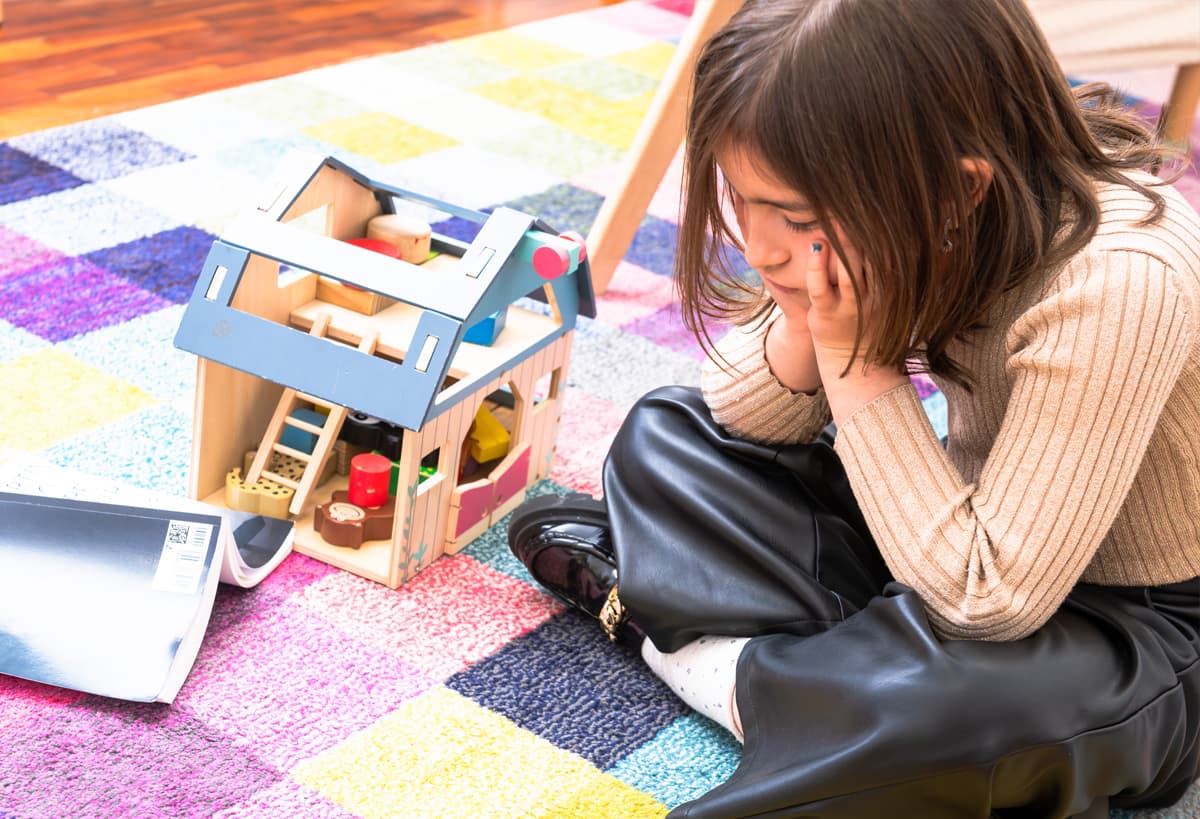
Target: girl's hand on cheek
834,311
833,322
789,344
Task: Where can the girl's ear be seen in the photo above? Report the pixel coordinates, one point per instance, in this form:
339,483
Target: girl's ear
977,174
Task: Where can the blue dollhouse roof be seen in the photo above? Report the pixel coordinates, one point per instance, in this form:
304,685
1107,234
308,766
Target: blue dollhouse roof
491,272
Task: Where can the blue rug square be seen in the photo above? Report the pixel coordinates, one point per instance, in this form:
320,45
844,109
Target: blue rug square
653,246
165,263
564,207
98,150
567,684
23,176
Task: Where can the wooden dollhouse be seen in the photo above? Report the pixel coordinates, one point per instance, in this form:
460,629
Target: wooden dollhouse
280,350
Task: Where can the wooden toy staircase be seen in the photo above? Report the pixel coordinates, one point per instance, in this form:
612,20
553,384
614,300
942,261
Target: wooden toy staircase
327,433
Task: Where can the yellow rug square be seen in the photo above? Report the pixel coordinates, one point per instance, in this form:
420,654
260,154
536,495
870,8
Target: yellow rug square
613,123
517,51
535,95
607,796
381,137
651,60
610,122
50,395
443,755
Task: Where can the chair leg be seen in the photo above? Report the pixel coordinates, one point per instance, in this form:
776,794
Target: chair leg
654,145
1175,124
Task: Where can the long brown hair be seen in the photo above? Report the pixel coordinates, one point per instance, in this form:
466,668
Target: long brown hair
865,107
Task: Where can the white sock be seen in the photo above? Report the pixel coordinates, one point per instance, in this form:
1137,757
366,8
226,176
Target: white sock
702,674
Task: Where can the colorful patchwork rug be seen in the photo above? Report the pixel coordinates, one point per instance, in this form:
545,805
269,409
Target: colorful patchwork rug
466,692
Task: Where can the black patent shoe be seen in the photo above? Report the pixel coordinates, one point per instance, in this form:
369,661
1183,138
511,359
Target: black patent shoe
566,545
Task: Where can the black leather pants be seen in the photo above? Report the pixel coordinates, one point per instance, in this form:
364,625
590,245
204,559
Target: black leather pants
851,706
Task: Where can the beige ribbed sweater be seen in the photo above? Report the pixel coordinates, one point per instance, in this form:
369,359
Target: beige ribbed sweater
1077,457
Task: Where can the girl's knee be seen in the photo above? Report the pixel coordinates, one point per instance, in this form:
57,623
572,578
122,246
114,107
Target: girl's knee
660,416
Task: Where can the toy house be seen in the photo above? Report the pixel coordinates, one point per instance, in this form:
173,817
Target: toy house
308,340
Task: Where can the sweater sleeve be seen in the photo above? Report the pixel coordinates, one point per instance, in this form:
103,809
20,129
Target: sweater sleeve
1090,366
747,399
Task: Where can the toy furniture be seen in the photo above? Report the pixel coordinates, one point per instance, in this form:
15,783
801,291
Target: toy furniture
273,356
1115,36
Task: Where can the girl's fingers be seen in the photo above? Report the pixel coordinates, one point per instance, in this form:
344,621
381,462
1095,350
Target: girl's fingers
820,278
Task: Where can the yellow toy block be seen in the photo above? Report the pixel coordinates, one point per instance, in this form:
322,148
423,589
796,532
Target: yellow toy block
263,497
266,497
489,439
289,467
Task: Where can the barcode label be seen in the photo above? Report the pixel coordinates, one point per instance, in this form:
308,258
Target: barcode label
181,563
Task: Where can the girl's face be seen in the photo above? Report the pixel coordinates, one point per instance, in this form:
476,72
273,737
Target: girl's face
777,225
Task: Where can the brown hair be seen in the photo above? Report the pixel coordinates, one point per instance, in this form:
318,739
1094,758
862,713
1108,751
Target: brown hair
865,107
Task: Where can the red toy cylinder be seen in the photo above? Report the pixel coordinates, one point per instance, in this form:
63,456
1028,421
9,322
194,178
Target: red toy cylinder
369,474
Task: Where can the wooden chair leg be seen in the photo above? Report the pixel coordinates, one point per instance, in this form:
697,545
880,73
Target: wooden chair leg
1180,111
654,145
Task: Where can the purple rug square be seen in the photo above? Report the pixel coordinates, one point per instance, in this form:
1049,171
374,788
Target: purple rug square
99,149
286,682
287,799
23,176
292,576
925,387
683,7
566,683
457,228
665,328
19,253
70,297
653,246
166,263
103,758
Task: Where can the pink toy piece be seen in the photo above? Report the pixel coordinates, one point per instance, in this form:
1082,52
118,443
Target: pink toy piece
369,477
513,481
377,245
474,505
576,237
550,262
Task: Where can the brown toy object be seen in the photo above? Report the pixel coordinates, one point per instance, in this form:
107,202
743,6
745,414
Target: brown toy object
341,523
411,235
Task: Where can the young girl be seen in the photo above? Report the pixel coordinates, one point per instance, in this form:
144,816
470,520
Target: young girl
1005,624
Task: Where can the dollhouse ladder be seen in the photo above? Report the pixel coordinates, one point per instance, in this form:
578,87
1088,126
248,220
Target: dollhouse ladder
326,433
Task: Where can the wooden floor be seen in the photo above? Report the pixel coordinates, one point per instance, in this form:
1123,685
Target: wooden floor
63,61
